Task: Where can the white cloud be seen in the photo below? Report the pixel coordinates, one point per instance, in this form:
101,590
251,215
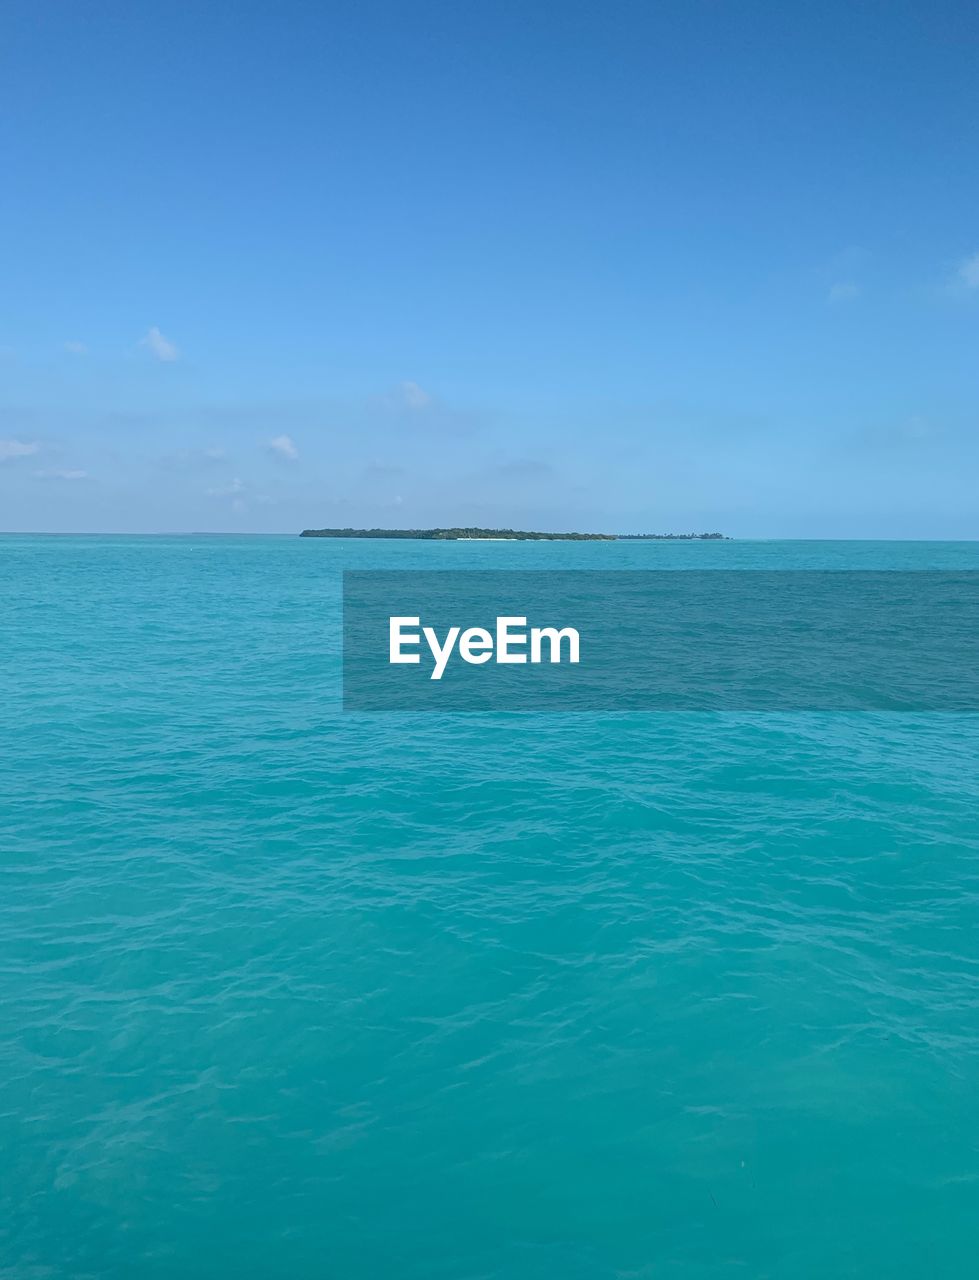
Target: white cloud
410,404
413,396
61,475
17,449
968,272
227,490
284,447
844,291
407,396
76,348
193,459
159,346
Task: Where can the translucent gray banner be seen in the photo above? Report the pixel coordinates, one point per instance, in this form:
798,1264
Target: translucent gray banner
661,641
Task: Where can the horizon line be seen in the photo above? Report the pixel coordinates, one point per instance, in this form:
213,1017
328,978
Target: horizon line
288,533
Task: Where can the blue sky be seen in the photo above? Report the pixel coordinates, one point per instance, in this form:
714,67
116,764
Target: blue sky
626,266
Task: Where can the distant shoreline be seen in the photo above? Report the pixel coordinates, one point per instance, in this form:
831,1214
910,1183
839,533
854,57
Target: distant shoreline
509,535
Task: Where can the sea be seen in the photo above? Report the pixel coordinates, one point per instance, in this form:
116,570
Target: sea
291,992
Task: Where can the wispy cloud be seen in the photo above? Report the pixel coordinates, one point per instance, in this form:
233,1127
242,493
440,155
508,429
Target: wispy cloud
61,475
17,449
234,491
414,396
844,291
159,346
76,348
531,469
968,272
227,490
409,402
193,459
410,396
913,432
383,471
284,447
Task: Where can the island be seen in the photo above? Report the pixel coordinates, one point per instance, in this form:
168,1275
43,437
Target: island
505,535
460,535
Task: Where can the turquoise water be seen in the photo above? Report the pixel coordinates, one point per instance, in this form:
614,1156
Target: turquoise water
289,993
